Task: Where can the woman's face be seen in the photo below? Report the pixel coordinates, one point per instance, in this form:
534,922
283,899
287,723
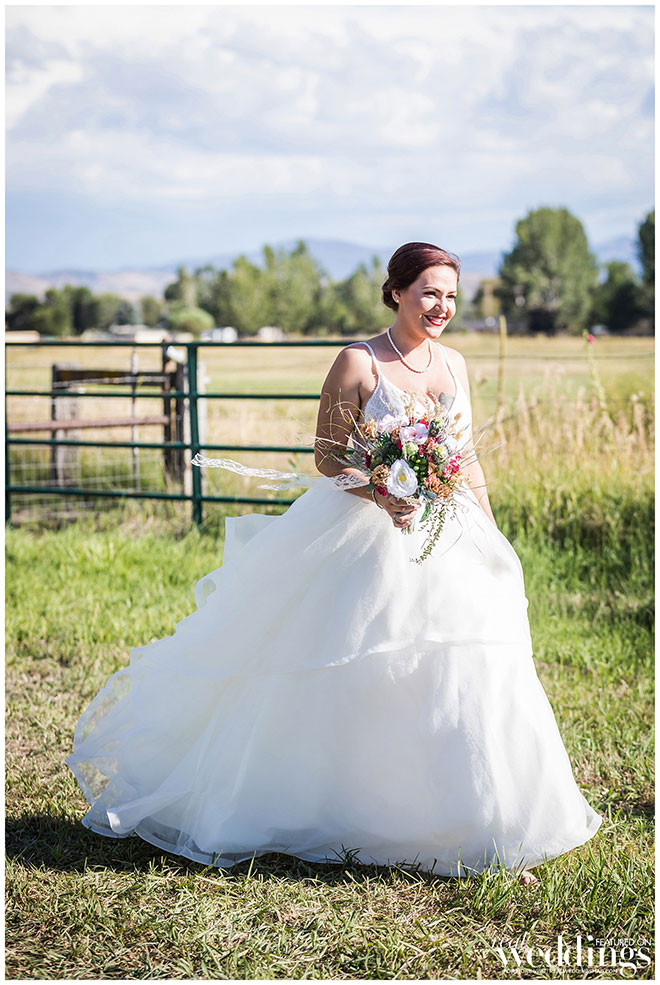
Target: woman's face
429,303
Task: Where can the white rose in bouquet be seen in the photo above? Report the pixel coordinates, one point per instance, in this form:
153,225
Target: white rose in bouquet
402,481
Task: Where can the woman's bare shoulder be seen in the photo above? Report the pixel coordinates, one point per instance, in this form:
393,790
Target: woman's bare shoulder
458,365
456,358
352,363
453,354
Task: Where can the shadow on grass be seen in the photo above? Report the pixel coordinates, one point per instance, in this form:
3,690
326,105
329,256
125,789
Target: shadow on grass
47,841
634,808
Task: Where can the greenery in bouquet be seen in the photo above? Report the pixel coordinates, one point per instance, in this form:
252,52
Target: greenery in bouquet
417,459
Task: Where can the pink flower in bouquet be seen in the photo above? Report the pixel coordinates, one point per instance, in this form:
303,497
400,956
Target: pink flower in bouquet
590,337
451,468
392,423
416,433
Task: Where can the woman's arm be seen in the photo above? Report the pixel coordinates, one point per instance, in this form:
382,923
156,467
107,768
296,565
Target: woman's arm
473,472
339,410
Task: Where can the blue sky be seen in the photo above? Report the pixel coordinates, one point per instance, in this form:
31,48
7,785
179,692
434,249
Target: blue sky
140,135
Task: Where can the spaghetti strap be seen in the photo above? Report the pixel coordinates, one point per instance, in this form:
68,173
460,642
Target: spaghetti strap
373,356
444,356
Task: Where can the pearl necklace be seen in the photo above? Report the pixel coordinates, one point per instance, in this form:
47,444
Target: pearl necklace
407,365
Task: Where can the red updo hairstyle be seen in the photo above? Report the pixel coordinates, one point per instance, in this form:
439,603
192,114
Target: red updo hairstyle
408,262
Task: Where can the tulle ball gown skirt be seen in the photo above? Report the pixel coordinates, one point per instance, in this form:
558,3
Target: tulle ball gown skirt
329,698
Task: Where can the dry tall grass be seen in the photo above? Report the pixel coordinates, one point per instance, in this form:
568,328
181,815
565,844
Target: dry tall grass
566,437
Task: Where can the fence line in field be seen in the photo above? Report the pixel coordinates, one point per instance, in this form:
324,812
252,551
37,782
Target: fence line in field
186,395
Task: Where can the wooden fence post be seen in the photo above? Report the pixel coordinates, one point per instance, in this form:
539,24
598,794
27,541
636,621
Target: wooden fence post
500,363
63,459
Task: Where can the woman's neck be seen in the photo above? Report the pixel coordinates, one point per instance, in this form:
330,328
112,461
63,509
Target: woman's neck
405,340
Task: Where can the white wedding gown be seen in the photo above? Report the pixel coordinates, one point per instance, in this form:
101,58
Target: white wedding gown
329,697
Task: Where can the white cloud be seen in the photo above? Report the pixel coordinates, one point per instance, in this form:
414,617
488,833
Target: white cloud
386,107
27,84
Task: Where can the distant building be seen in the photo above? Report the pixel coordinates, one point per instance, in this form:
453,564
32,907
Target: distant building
23,335
139,333
270,333
478,325
220,334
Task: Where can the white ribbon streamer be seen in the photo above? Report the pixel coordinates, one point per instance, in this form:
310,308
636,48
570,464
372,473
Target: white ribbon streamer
282,480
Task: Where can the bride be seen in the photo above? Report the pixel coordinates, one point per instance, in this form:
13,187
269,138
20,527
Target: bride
329,698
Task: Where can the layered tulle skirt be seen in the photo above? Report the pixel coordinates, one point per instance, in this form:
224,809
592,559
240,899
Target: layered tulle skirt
330,698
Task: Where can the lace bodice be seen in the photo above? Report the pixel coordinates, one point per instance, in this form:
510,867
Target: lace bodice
388,398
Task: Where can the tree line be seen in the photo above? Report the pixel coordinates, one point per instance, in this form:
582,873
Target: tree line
549,282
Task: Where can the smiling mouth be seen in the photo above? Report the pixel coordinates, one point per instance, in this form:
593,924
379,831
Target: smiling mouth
436,321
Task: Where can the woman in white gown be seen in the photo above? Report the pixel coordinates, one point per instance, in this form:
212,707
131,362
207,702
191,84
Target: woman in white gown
331,699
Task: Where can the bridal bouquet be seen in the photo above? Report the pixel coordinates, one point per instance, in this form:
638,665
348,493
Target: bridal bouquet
417,459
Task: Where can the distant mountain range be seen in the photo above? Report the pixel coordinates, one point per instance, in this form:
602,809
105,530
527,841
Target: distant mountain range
338,258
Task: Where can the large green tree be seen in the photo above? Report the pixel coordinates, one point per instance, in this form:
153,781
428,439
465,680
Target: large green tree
248,298
125,313
19,315
54,315
216,298
330,313
193,320
293,283
358,301
646,248
183,289
84,309
107,306
151,310
550,273
646,254
617,302
208,283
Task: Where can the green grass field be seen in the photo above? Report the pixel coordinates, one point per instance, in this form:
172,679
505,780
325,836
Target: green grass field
572,488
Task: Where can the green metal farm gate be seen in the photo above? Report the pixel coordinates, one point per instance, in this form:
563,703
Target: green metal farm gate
189,393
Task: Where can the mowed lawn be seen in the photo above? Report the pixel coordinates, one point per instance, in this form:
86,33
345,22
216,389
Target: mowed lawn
572,488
